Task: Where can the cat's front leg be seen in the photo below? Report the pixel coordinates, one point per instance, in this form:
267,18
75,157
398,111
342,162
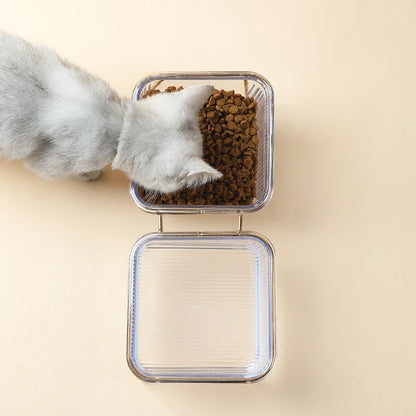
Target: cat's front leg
89,176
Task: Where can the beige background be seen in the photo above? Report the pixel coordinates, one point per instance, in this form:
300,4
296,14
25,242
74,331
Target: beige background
342,217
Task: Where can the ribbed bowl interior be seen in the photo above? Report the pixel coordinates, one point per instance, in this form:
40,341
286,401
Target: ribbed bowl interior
201,307
247,84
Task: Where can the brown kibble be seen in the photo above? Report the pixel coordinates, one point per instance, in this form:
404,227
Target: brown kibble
247,162
233,109
216,135
199,201
234,152
238,100
228,195
210,114
244,124
245,172
219,188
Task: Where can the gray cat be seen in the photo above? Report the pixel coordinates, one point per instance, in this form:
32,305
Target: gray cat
63,121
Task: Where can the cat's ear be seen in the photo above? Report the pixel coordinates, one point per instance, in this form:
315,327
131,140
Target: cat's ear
195,97
197,172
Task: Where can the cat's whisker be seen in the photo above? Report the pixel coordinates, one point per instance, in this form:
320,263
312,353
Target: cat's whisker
151,196
148,196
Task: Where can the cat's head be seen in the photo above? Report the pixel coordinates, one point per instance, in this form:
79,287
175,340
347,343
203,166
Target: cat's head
160,145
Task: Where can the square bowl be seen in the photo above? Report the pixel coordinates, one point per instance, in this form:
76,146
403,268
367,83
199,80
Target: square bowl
246,83
201,307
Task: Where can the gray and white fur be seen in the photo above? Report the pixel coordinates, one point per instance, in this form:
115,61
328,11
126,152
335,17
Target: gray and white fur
62,122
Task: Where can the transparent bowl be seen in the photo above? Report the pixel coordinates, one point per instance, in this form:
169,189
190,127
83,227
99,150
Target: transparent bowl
246,83
201,307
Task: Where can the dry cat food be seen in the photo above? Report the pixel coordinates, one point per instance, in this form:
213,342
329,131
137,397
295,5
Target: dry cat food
229,131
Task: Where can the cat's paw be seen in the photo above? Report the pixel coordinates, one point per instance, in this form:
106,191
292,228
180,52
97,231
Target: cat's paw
89,176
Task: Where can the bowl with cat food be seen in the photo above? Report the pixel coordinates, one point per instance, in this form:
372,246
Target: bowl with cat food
236,123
